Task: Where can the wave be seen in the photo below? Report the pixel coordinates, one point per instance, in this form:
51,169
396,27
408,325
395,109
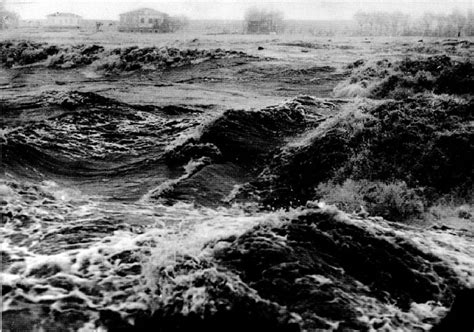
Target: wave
130,266
78,134
236,146
118,60
381,79
425,142
276,155
74,259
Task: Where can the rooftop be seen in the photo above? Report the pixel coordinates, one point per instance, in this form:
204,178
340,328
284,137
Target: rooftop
58,14
143,11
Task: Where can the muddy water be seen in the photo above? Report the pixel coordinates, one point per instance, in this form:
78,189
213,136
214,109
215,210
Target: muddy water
78,225
86,226
69,258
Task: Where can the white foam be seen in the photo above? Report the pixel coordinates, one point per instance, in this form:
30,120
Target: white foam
181,229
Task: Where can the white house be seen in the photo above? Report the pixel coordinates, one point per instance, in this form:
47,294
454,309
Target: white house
66,20
144,20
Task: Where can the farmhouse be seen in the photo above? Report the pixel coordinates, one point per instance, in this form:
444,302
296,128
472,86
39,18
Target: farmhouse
144,20
65,20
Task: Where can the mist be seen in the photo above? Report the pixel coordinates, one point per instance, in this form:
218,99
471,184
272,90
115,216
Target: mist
232,9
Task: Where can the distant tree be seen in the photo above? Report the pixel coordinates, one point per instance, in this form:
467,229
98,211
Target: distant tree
427,22
8,19
361,21
263,21
470,23
179,22
457,22
397,23
173,23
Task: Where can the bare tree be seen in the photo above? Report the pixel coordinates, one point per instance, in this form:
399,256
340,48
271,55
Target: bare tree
8,19
177,23
397,23
173,23
457,21
470,23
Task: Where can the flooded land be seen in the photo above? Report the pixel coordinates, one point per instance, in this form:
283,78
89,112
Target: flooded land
188,182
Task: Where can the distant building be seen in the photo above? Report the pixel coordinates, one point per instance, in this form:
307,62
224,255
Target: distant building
63,20
144,20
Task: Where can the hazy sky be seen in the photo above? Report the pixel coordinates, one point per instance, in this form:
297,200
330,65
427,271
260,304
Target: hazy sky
232,9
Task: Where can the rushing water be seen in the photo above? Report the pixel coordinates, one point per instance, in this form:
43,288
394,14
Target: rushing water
84,227
78,224
79,255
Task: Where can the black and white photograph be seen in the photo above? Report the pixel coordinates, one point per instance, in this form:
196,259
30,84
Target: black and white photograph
237,165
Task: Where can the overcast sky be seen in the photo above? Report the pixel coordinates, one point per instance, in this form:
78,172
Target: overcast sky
232,9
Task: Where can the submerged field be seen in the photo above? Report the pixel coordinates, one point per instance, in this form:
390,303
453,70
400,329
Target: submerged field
228,182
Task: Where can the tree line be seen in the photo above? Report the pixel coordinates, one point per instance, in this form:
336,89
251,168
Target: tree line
399,24
454,24
8,19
